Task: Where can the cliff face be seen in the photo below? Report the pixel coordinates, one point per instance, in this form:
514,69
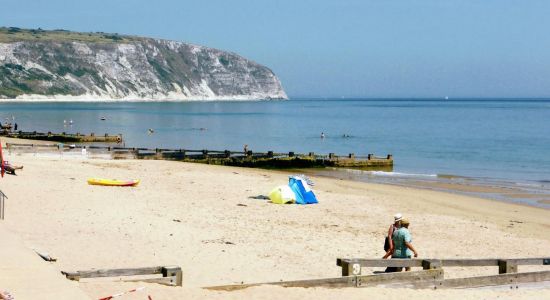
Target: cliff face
78,66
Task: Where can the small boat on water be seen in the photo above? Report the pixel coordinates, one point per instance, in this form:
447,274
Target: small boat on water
103,118
113,182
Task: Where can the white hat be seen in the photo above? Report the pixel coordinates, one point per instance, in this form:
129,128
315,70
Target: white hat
397,217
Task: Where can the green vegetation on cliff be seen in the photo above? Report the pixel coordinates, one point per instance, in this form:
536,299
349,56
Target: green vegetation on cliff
15,34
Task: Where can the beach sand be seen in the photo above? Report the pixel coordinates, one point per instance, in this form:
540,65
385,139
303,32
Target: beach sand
206,219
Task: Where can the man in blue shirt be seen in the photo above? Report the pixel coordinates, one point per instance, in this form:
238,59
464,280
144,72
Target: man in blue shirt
402,242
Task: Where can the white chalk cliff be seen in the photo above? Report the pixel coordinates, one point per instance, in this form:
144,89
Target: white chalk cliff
62,65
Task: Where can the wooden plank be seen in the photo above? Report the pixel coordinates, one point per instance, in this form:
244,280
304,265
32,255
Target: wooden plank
394,262
418,279
531,261
490,262
466,262
170,281
112,272
426,277
469,262
502,279
338,282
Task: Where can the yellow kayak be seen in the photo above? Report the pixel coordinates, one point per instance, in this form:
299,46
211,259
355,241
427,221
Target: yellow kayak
112,182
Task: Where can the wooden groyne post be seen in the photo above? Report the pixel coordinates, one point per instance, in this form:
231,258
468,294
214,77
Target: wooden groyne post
3,198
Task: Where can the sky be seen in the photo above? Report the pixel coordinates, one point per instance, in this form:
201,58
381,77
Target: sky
339,48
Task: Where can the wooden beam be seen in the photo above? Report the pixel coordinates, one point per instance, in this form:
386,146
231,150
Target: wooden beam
112,272
169,281
469,262
426,277
503,279
418,262
418,279
394,262
338,282
490,262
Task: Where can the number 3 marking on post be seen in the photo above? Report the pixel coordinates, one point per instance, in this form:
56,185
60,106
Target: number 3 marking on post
356,269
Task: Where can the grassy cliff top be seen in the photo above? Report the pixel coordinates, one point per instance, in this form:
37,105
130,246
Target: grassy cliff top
14,34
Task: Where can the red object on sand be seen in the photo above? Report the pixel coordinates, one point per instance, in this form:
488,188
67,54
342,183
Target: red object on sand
123,293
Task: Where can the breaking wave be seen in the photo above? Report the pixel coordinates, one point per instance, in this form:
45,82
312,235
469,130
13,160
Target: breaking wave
398,174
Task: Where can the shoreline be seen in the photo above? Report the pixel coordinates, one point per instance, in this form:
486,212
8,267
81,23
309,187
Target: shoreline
205,219
507,191
490,189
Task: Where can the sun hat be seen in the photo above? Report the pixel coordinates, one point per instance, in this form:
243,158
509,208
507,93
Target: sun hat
405,222
397,217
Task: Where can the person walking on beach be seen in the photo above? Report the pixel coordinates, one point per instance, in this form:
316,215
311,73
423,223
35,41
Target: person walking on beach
402,242
388,242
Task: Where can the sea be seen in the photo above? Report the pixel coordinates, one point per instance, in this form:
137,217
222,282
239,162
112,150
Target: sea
493,148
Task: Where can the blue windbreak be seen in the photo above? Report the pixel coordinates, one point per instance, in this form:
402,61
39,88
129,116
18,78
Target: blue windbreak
302,196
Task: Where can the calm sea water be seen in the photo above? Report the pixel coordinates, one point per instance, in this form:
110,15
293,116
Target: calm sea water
493,139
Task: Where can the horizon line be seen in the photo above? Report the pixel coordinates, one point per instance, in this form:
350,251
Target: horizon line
415,98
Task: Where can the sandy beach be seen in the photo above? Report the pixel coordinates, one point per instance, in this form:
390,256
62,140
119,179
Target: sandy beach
208,220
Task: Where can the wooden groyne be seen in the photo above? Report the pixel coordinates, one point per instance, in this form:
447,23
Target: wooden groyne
252,159
63,137
432,275
166,275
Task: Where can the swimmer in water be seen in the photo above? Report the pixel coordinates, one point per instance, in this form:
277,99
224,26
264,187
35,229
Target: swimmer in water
322,135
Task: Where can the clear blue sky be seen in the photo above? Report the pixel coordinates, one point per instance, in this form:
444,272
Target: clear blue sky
331,48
